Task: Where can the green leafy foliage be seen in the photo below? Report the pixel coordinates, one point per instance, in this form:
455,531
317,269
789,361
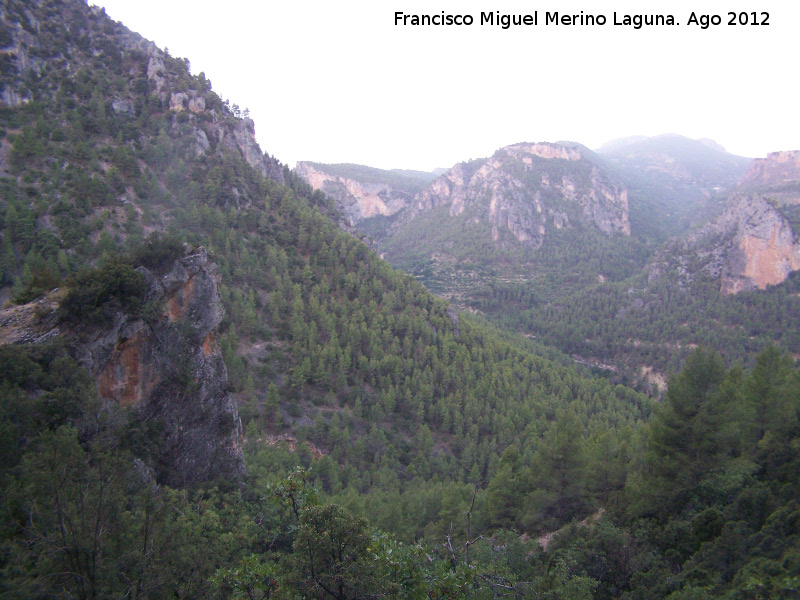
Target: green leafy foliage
94,294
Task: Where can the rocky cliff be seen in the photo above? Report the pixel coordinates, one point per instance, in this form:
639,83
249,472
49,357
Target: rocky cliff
765,248
528,188
170,369
750,245
166,368
777,175
358,200
523,189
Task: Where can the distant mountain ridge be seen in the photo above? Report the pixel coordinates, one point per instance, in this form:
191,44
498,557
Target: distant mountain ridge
543,236
704,160
667,176
364,192
751,244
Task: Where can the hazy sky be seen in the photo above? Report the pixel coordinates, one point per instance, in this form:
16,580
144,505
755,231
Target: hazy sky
338,81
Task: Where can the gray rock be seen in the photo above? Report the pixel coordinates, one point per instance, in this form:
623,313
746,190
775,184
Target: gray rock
120,106
170,369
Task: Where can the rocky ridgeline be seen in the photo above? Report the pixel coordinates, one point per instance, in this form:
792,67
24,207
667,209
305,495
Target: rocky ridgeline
26,55
523,188
166,368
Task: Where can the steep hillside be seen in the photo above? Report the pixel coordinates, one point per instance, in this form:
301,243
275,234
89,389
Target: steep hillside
517,216
164,276
117,155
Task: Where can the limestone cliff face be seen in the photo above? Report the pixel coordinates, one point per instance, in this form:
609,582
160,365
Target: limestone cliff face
750,245
238,135
523,189
777,175
358,200
764,250
171,369
528,188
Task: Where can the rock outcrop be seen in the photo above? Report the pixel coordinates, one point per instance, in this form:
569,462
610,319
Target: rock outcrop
750,245
358,200
527,188
764,250
244,136
777,175
166,368
170,369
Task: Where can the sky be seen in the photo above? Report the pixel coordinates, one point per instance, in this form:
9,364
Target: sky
338,81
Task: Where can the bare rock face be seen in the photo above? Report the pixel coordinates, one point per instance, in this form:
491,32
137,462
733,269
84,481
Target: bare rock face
358,200
178,101
764,250
245,136
777,175
170,369
749,246
528,188
19,59
156,70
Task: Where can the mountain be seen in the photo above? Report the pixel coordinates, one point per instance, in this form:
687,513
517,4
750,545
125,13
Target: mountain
152,253
509,216
212,388
731,281
364,192
496,236
702,163
667,175
524,191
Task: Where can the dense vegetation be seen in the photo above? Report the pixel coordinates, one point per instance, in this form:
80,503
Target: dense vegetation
394,448
702,502
606,300
637,323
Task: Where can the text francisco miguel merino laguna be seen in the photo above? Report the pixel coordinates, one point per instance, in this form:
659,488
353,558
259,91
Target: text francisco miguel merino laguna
506,21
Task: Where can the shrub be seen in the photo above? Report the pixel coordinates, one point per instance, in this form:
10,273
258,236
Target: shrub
95,294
